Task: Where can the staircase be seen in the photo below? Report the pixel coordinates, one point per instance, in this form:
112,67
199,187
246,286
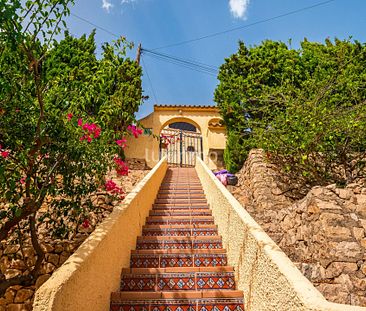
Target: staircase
179,263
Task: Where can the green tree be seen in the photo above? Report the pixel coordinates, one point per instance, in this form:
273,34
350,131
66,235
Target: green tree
305,108
253,86
61,112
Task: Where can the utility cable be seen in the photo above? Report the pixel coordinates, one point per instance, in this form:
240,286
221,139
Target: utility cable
211,73
244,26
193,65
148,77
95,25
188,61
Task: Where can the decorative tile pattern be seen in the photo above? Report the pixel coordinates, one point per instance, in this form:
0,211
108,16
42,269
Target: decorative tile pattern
150,245
129,306
211,244
208,260
170,261
176,281
215,304
174,305
215,280
180,221
144,261
220,305
135,282
180,232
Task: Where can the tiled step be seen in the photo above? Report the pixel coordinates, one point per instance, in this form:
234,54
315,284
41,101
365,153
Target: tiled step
180,205
151,259
179,231
173,279
178,187
184,242
179,263
181,191
178,301
180,201
177,220
181,212
185,196
181,208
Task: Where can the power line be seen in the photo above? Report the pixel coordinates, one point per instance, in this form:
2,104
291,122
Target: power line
244,26
148,77
95,25
193,65
183,60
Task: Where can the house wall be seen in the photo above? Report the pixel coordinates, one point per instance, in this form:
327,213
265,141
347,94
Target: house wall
147,147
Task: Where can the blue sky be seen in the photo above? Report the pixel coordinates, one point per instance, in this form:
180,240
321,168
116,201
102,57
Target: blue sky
156,23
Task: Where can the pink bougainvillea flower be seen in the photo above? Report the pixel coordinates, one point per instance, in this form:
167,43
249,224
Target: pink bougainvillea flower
110,185
97,132
121,142
22,180
4,154
92,131
86,223
114,189
134,130
69,116
121,167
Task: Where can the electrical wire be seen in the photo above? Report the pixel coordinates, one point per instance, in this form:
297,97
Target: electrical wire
186,60
94,25
193,65
215,34
148,77
194,68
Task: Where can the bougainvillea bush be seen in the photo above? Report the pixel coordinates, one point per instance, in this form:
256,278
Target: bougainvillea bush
64,114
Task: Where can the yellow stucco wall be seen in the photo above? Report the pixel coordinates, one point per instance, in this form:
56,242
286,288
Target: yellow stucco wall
147,147
86,280
268,278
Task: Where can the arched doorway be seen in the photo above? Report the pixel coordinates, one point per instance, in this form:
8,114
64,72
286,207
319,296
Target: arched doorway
181,142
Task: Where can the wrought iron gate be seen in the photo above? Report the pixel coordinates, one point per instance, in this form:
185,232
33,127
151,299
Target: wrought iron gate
180,147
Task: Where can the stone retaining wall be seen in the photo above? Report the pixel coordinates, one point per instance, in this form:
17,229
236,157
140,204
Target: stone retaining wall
269,279
323,234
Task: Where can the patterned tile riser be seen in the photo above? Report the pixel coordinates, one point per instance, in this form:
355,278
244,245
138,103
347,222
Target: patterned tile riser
175,232
178,281
168,207
179,245
187,213
171,261
181,305
180,222
180,201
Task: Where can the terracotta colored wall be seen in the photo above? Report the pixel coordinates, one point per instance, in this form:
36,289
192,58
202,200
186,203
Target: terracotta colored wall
86,280
269,279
